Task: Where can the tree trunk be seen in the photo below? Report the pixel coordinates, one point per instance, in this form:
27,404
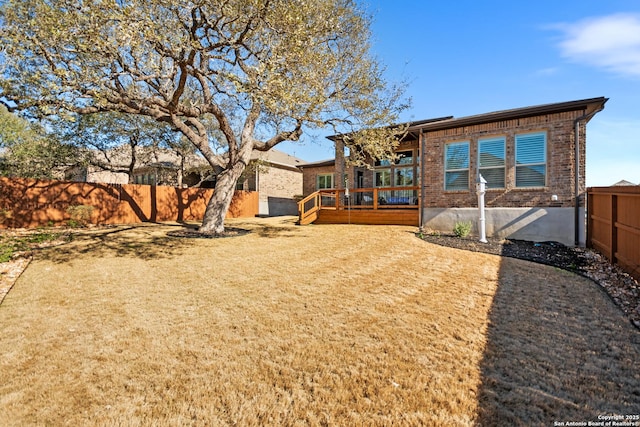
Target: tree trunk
213,221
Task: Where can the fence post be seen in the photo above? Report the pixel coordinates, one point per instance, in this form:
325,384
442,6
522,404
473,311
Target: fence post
589,219
614,228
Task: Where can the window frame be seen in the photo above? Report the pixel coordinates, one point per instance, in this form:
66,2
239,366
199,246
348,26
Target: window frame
405,158
532,164
325,176
448,171
382,171
481,168
399,172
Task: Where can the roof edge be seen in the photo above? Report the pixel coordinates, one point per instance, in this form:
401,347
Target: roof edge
591,105
409,124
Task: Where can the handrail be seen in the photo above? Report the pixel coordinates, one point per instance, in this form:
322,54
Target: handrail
307,216
375,198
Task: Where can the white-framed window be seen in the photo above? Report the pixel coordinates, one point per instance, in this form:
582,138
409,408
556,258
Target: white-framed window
531,160
382,178
456,166
491,161
324,181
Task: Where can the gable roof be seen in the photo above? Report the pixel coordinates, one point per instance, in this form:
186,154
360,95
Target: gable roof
277,158
328,162
623,182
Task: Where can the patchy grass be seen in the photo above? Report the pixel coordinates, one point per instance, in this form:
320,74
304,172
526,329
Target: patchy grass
13,243
316,325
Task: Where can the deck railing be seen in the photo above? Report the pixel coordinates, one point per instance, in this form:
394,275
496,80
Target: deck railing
358,198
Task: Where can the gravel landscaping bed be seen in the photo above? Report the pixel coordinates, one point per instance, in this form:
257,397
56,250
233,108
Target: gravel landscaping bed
623,289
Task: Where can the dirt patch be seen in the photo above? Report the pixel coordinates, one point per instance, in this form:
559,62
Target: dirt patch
195,234
16,251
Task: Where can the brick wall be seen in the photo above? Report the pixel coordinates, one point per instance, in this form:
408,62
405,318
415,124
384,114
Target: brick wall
311,177
280,182
278,187
560,163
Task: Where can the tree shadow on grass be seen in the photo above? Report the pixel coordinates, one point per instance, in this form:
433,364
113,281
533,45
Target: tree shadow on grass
276,227
557,350
144,242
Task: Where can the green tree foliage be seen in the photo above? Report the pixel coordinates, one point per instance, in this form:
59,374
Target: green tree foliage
27,151
260,71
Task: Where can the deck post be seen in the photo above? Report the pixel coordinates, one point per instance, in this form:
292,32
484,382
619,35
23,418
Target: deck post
375,199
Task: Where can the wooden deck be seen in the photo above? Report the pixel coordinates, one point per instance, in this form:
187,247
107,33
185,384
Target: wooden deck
353,216
382,206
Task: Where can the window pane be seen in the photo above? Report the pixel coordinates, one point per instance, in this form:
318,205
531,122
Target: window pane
325,182
494,177
457,180
492,152
530,176
405,158
383,178
383,162
404,177
457,166
531,160
530,148
457,156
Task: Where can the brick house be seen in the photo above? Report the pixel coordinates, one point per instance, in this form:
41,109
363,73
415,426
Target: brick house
273,174
277,179
529,157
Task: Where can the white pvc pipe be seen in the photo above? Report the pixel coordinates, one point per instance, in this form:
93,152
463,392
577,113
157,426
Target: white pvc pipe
481,221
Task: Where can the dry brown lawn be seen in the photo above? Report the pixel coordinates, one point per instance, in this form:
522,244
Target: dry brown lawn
316,325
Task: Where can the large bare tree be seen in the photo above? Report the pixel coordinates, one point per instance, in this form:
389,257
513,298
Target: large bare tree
262,71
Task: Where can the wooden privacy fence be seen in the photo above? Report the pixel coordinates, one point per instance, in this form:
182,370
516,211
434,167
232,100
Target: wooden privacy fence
613,225
26,203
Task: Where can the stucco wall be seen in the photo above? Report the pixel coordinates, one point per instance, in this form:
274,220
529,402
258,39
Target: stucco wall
534,224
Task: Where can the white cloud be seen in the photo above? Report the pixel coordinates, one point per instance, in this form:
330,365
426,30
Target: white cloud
547,71
609,42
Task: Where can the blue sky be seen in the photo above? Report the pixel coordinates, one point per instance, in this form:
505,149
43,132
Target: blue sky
463,58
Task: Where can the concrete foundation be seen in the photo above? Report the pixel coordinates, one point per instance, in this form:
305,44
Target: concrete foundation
534,224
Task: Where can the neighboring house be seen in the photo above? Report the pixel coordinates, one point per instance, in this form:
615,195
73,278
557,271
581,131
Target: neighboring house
276,177
534,169
624,183
274,174
150,166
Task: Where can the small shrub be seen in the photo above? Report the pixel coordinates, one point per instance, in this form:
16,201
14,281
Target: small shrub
41,237
5,214
80,215
6,252
462,228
